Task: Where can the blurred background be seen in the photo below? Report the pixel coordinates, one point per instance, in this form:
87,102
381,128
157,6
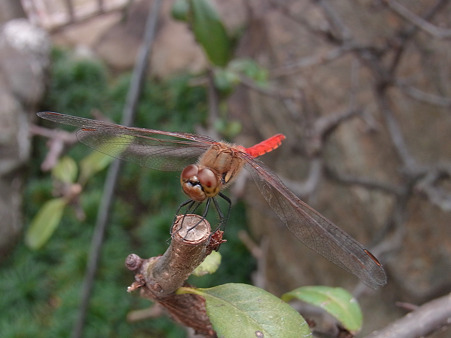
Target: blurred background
361,89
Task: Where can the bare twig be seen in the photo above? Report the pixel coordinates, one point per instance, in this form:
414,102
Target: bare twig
438,32
395,131
58,139
271,92
421,96
339,29
430,185
307,187
428,318
299,20
310,61
364,182
103,215
259,252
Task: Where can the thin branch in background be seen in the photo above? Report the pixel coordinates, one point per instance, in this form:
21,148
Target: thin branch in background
421,96
437,32
427,319
291,94
363,182
394,130
283,9
307,187
134,92
58,140
342,32
429,185
327,124
310,61
260,253
405,34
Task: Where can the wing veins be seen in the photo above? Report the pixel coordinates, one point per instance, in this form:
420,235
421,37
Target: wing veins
314,230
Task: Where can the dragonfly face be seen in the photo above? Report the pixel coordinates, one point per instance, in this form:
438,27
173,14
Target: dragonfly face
216,168
200,183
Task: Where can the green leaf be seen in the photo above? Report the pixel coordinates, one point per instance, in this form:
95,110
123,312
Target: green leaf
336,301
44,223
250,69
92,164
209,265
65,170
210,32
241,310
180,10
98,160
225,80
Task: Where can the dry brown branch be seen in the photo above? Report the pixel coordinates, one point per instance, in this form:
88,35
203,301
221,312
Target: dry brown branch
422,96
437,32
427,319
365,182
394,130
291,94
159,277
58,140
311,61
432,185
307,187
338,27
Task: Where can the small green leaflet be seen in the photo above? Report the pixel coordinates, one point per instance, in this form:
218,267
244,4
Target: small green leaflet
209,265
65,170
241,310
336,301
44,223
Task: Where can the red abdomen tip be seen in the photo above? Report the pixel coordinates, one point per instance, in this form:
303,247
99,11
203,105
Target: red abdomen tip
266,146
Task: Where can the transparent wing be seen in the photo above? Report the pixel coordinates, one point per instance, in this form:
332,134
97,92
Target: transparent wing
150,148
314,230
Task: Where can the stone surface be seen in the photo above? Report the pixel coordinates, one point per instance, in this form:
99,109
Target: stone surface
24,58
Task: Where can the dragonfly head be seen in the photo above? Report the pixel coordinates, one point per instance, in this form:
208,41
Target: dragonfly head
199,183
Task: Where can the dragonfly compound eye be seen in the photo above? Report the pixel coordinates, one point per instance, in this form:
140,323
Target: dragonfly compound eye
209,182
189,172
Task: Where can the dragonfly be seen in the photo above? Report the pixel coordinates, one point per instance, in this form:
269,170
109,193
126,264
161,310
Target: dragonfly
208,166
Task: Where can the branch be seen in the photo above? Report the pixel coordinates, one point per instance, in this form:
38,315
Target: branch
291,94
58,139
364,182
419,95
427,319
430,185
159,277
394,130
311,60
307,187
342,33
323,127
417,21
104,211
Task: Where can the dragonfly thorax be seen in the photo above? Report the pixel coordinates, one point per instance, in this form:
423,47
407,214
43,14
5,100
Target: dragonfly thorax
199,183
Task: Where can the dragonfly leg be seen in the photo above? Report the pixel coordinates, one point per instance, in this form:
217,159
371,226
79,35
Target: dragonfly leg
222,218
204,215
191,207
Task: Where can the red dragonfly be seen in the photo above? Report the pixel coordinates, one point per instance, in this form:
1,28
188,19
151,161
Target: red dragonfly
217,164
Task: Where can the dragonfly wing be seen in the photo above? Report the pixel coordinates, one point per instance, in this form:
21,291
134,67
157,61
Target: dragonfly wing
150,148
316,231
